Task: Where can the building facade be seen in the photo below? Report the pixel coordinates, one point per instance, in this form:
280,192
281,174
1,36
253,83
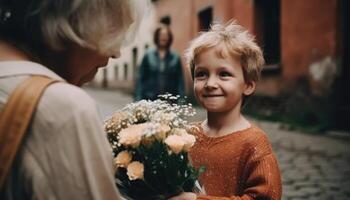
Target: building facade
306,40
305,43
300,39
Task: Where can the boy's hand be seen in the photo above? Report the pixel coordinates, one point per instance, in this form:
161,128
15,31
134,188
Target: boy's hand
185,196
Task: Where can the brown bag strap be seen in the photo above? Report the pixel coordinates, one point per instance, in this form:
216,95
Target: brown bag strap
15,118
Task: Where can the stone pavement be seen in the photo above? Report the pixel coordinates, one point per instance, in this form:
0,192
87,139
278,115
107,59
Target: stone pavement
313,166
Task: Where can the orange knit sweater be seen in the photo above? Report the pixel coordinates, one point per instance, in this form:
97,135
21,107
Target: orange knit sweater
238,166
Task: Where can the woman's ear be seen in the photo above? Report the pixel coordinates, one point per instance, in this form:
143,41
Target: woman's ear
249,88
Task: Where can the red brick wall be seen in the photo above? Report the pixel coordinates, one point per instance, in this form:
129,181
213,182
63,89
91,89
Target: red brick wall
243,12
308,34
308,31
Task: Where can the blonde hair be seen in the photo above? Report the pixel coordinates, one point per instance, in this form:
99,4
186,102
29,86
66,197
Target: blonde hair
238,43
102,25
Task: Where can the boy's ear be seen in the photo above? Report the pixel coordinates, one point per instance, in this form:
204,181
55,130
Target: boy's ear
249,88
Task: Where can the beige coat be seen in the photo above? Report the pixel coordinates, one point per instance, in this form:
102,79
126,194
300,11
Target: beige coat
65,154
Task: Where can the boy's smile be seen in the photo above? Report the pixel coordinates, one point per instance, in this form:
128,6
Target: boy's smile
212,95
219,83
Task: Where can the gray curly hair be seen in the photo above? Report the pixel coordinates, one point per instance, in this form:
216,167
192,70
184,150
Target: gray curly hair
101,25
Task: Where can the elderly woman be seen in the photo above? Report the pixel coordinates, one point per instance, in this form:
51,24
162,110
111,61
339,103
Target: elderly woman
64,154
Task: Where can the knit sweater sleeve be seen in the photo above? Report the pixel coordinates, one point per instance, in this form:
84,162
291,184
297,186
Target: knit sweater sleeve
261,177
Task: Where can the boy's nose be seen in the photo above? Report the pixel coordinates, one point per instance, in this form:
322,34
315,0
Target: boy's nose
211,83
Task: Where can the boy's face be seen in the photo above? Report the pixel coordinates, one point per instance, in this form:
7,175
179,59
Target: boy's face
219,83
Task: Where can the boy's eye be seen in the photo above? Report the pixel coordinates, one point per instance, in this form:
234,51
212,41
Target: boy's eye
225,74
200,74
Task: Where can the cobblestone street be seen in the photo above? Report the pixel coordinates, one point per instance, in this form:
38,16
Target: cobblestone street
313,166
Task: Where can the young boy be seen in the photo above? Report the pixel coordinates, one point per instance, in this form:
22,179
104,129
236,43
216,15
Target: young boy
225,65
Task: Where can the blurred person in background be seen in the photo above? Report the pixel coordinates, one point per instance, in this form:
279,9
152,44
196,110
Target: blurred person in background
64,154
160,71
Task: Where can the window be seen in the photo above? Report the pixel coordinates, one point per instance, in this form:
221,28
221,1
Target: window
267,19
105,78
125,71
116,68
166,20
205,18
134,61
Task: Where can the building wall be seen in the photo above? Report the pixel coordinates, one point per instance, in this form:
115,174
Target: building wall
308,35
243,12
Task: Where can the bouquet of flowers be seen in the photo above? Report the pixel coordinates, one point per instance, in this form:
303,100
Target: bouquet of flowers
150,144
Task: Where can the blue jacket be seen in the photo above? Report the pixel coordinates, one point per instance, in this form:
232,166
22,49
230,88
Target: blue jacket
152,81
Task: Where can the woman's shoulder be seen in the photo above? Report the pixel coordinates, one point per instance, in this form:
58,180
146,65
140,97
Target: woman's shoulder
150,51
150,54
67,95
174,54
62,101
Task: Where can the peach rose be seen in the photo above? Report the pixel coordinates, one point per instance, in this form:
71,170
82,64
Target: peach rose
156,132
175,143
189,141
135,170
162,130
132,135
123,159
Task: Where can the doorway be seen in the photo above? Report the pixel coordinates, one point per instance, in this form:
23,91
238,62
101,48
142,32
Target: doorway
205,18
267,18
342,84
